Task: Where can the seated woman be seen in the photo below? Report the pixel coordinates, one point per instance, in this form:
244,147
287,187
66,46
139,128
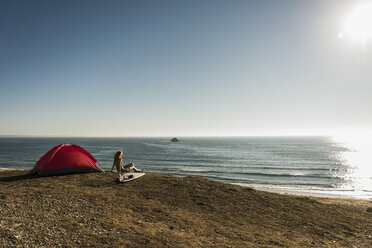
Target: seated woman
118,162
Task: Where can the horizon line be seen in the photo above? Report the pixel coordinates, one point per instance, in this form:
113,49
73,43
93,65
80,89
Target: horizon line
168,136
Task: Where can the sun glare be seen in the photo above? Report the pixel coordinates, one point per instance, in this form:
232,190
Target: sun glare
358,25
358,158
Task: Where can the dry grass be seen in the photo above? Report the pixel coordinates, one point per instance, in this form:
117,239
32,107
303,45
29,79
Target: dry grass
91,210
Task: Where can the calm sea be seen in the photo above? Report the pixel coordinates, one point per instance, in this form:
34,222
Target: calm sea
302,165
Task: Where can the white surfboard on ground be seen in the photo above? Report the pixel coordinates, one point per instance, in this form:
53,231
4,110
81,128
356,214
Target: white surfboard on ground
127,177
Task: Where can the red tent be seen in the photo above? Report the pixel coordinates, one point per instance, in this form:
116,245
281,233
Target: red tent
65,159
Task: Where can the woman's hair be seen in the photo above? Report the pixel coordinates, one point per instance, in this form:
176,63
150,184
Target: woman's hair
118,155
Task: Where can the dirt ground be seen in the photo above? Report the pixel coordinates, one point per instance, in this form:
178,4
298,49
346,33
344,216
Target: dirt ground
91,210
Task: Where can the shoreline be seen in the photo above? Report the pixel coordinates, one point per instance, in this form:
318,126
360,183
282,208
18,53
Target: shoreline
299,192
264,188
321,197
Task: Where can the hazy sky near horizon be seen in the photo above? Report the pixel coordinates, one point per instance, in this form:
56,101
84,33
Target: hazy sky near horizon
178,68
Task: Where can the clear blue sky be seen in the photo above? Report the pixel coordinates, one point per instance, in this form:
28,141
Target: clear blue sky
176,68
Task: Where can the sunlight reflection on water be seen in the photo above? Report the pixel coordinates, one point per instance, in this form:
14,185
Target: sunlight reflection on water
358,162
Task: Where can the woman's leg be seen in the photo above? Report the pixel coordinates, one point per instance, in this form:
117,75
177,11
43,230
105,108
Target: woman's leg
136,170
132,167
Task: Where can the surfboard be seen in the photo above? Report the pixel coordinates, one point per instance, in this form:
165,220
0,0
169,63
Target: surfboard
127,177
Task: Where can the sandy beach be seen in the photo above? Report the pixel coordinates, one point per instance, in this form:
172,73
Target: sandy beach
91,210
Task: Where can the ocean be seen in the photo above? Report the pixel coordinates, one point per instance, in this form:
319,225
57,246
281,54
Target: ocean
320,166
